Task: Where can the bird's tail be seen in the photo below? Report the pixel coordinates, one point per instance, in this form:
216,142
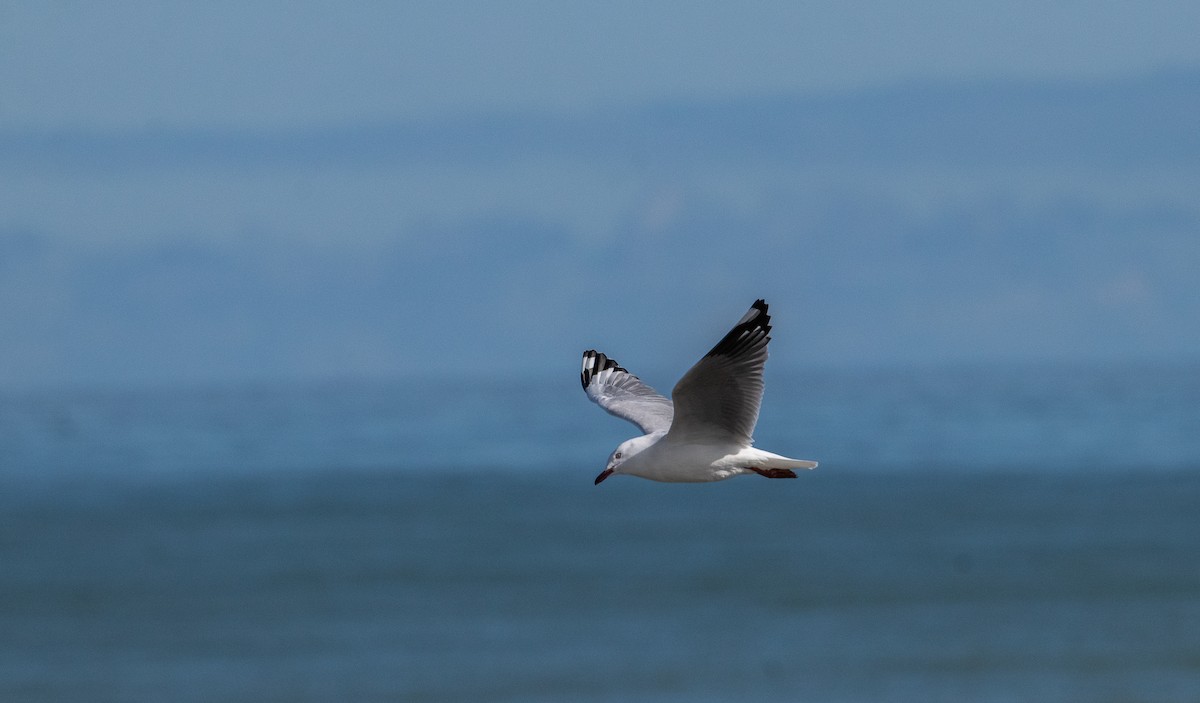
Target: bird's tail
775,461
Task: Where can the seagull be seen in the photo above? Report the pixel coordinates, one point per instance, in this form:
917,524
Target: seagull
704,432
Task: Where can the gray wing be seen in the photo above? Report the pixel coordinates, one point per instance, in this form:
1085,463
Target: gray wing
623,394
719,397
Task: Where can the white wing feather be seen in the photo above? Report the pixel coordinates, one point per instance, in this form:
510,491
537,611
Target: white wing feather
623,394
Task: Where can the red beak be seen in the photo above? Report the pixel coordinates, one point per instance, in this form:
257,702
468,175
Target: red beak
603,475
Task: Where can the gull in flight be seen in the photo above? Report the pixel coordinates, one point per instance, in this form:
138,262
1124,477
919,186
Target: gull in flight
704,432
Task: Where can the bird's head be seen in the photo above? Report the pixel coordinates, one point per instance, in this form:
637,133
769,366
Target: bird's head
623,453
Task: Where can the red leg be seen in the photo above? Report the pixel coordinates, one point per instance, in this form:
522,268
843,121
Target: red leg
773,473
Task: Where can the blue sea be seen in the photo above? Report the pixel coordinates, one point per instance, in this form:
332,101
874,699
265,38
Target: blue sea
1016,533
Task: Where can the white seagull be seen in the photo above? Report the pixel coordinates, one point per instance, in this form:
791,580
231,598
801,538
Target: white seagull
704,432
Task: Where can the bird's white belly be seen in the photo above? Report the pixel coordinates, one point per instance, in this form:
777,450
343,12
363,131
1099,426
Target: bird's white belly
690,463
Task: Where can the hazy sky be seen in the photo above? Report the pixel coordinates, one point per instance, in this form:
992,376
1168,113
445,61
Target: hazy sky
159,221
89,65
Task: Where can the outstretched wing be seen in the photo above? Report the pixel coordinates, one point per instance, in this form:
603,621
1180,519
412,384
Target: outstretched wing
623,394
719,397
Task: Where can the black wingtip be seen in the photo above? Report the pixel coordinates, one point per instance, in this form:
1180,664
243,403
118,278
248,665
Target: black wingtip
593,363
753,329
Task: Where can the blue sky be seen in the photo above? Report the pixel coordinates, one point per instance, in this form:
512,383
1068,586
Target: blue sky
228,191
137,64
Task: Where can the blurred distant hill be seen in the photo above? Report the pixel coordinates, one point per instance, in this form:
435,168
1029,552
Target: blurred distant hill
912,224
1143,120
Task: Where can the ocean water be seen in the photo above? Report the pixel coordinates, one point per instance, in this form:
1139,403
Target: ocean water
975,534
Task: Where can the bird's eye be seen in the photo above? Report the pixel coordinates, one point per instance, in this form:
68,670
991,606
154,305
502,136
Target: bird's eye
617,455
